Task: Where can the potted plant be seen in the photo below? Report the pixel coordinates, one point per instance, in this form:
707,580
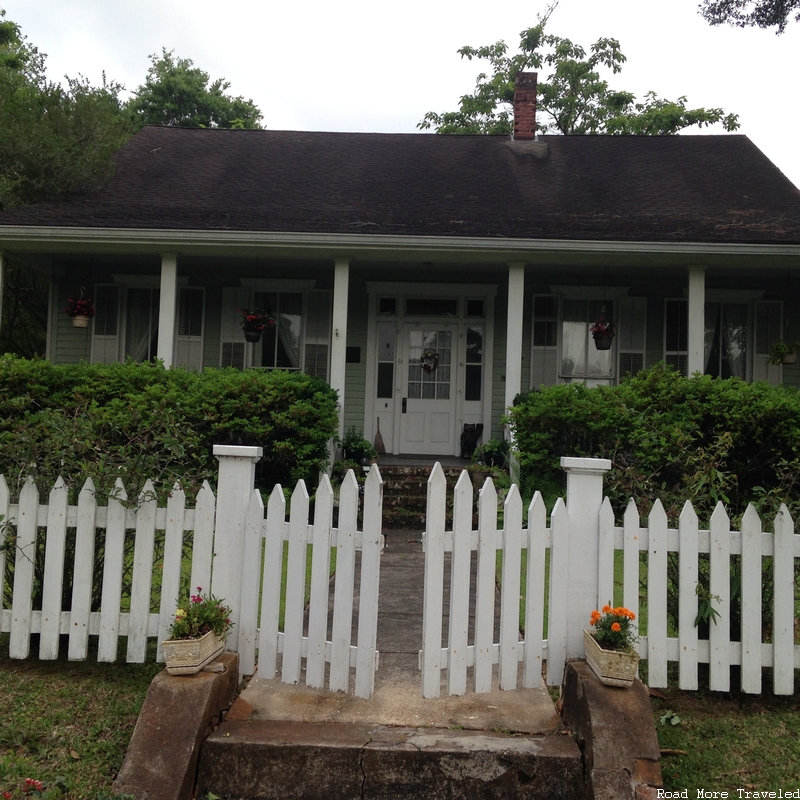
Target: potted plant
356,448
784,352
254,321
197,634
603,334
609,648
80,310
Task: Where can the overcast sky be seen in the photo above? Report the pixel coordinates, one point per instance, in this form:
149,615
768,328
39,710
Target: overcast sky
358,65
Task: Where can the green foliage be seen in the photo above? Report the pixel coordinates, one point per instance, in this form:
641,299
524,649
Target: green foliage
574,98
198,614
493,453
700,439
356,448
747,13
176,92
138,421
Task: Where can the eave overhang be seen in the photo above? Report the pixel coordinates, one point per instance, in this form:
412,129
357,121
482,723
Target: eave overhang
371,247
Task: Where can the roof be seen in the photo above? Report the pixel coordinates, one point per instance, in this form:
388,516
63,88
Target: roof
614,188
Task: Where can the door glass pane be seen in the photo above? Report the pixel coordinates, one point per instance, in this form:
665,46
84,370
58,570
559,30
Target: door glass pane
473,375
429,359
141,335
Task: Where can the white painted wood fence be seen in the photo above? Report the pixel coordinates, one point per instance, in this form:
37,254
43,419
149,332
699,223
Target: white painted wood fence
583,545
29,519
213,530
321,643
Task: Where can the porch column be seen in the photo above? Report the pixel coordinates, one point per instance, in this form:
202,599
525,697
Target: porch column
516,304
166,307
697,320
341,286
584,498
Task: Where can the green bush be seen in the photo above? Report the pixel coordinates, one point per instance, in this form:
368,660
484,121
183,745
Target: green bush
138,421
669,437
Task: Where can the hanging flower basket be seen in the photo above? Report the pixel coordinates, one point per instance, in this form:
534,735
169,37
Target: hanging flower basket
254,322
80,310
603,334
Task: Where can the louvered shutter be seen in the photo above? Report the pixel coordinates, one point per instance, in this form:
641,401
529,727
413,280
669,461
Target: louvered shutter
318,334
769,325
231,336
631,329
189,338
106,324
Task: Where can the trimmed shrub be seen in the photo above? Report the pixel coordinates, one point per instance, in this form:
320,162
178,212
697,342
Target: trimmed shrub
669,437
138,421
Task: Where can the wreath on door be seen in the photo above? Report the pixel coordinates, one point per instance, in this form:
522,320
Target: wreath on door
430,360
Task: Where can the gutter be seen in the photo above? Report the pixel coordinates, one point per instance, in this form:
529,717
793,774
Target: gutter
327,245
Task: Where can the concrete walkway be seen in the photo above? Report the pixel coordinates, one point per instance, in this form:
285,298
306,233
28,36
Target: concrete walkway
398,700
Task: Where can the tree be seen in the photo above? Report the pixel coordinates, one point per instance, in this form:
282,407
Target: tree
177,93
748,13
573,99
54,140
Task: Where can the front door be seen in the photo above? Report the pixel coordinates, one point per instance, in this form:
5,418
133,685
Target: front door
429,381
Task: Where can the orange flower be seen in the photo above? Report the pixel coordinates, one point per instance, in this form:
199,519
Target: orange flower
616,627
606,609
596,615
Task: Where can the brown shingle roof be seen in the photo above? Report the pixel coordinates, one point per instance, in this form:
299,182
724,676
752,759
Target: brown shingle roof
633,188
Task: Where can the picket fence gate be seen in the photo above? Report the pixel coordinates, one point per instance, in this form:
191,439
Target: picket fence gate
583,545
320,646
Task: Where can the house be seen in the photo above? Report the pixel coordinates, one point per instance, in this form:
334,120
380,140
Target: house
428,278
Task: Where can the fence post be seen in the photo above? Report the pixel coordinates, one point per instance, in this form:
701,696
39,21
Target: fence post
584,499
235,481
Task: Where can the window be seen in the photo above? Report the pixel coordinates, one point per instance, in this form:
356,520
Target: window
298,341
474,364
126,324
676,336
580,359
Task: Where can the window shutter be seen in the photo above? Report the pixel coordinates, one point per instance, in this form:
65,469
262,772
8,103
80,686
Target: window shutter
189,339
768,328
318,334
631,329
231,336
105,331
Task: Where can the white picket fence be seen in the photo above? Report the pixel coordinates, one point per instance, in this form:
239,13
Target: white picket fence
321,644
237,576
583,545
138,623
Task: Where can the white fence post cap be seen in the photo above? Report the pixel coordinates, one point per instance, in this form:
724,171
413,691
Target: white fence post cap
585,464
238,451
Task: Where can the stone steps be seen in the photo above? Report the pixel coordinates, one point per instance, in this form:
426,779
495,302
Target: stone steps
261,759
405,495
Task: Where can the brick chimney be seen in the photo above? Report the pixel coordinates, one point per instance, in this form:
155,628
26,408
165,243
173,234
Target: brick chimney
525,106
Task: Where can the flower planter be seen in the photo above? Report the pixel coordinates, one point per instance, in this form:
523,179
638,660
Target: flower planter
252,336
612,667
80,322
789,358
603,342
189,656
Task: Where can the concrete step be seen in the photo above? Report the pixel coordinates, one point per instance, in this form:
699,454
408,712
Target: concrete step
260,759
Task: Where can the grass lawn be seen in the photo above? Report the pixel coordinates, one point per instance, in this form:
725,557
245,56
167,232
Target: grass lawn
750,743
67,720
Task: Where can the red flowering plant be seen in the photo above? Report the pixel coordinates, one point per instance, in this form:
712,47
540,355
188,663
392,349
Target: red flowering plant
82,307
613,629
602,329
255,320
199,614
